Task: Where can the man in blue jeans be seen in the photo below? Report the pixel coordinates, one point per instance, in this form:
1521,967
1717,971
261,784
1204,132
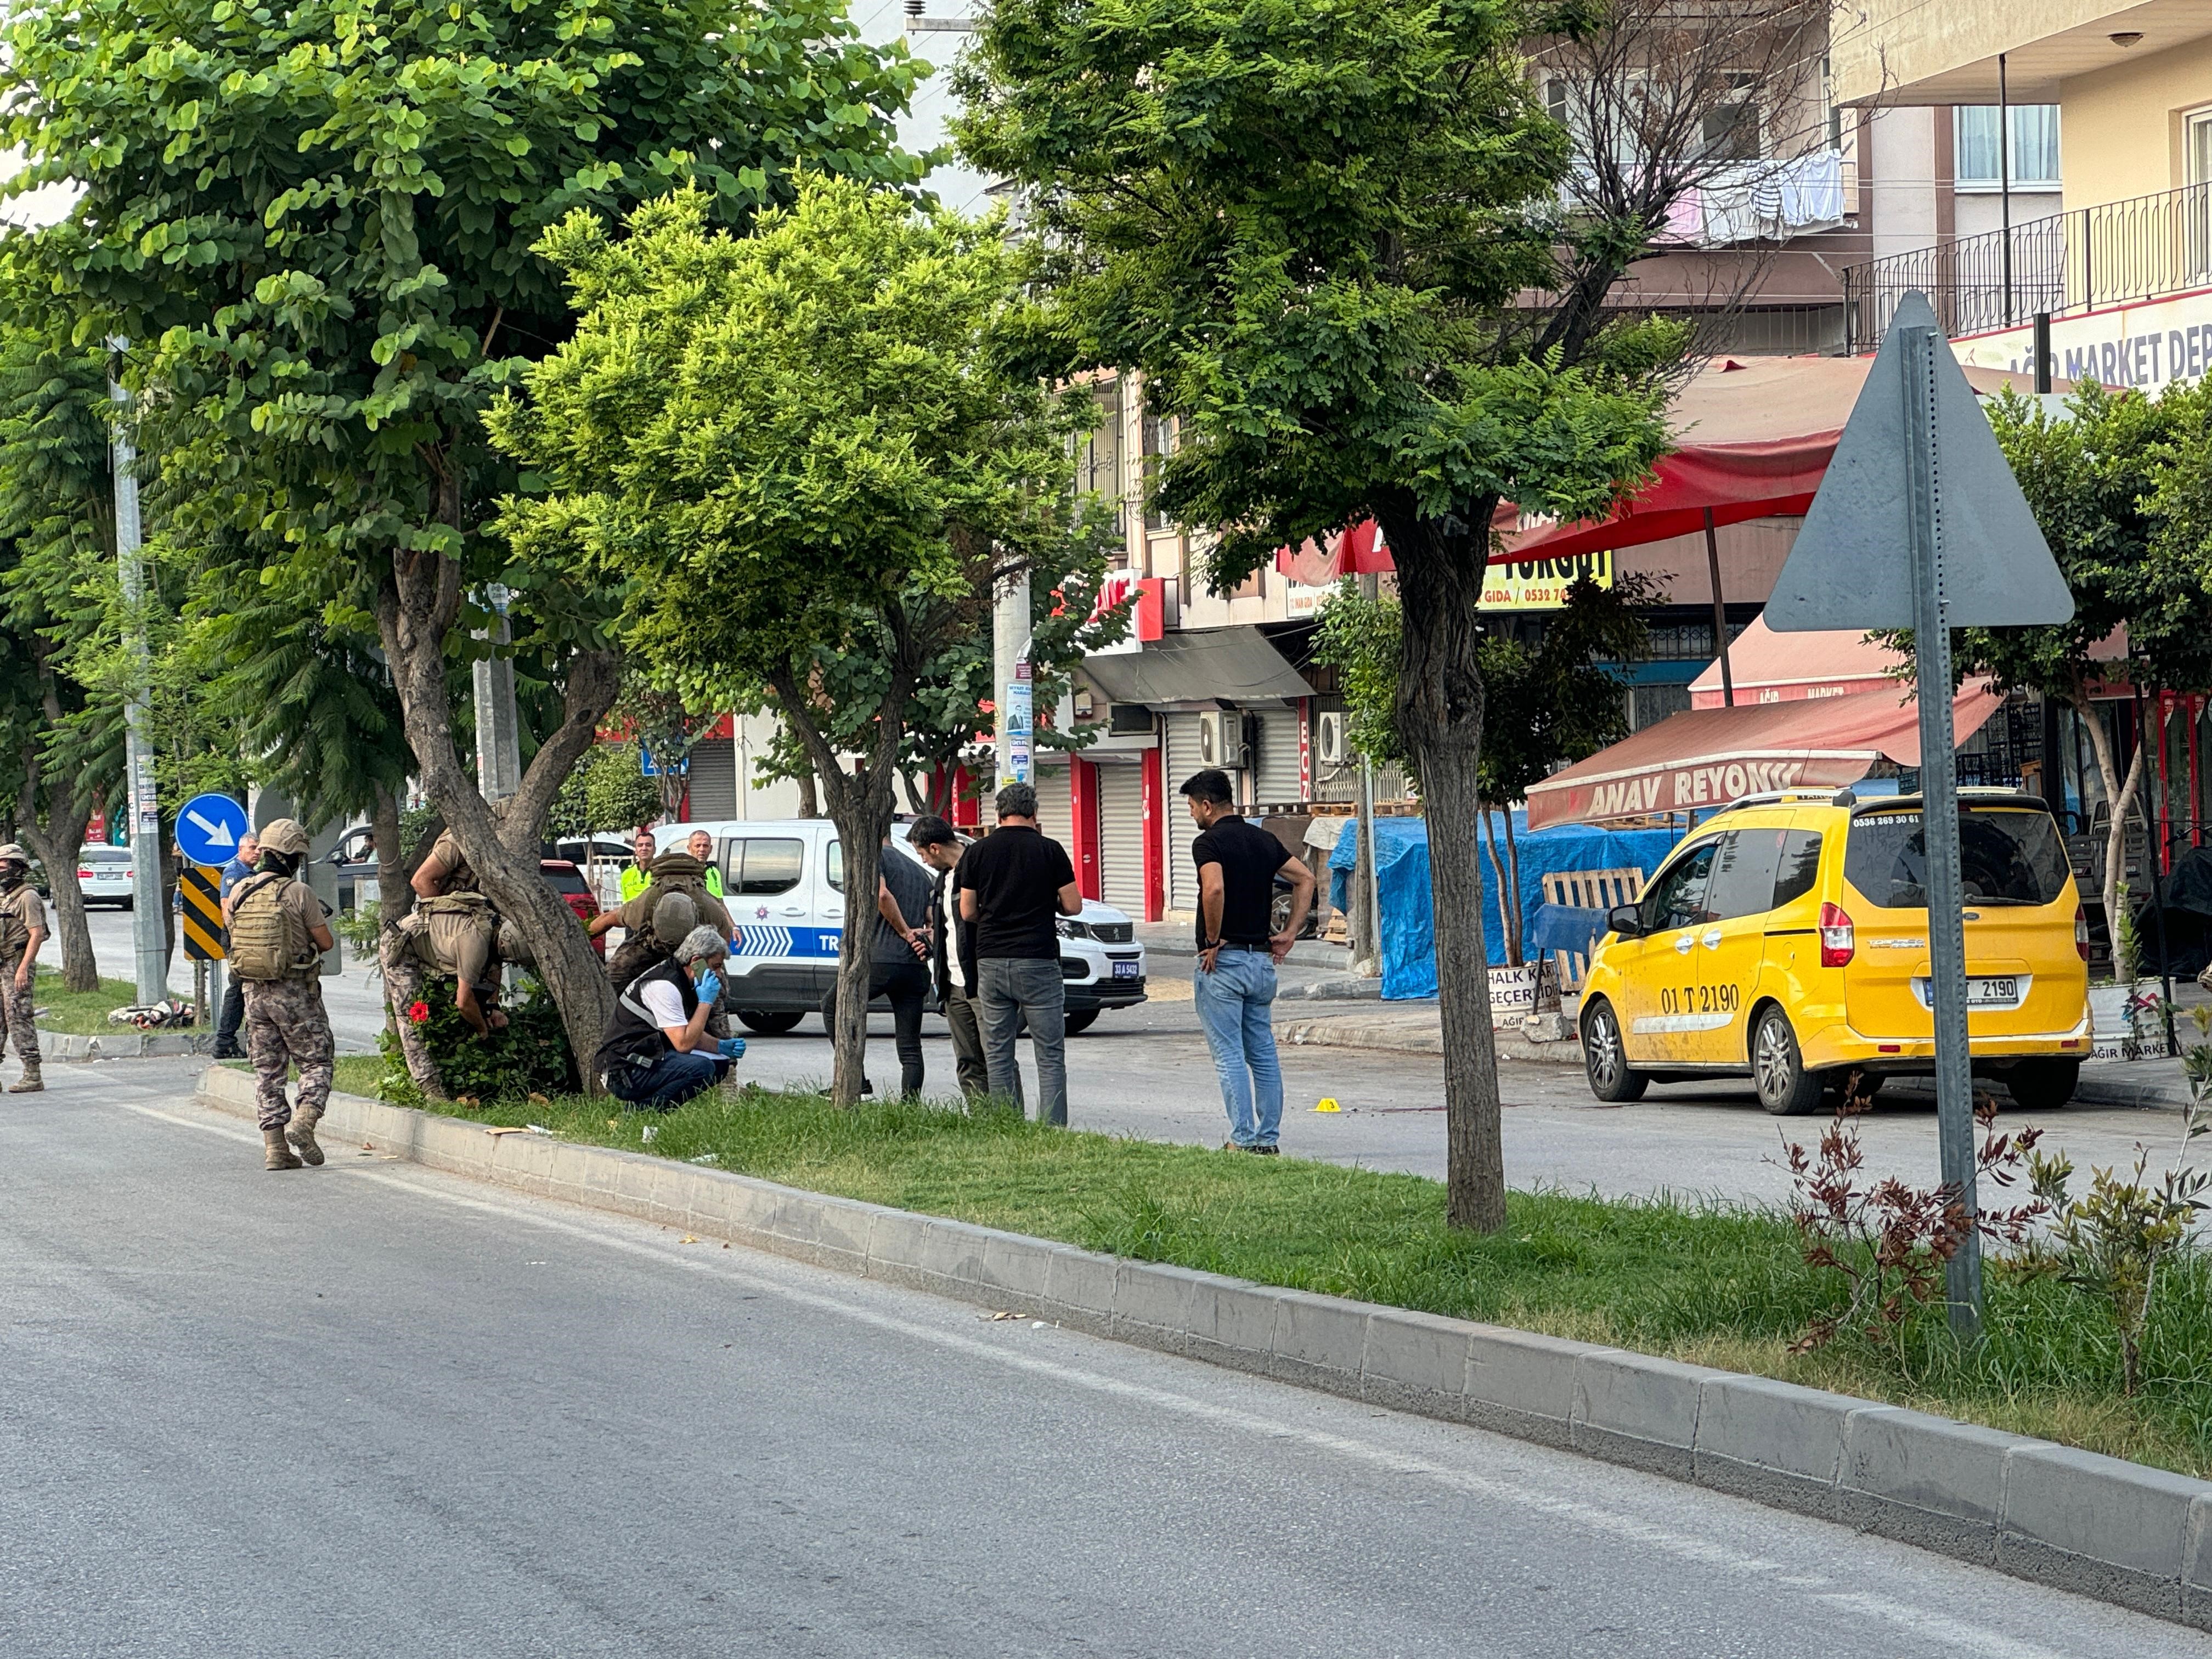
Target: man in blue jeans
1237,950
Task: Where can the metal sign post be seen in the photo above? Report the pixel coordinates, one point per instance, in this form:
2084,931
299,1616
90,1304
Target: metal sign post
1939,821
1956,547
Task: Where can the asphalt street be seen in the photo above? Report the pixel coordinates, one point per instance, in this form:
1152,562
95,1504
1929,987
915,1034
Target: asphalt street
1145,1072
371,1410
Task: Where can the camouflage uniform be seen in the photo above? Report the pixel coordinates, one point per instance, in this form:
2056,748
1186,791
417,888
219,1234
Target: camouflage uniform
284,1023
21,911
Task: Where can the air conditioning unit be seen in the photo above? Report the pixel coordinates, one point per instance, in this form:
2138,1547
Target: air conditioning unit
1328,738
1221,740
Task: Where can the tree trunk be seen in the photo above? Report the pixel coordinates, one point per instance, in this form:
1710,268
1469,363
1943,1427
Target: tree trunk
2116,835
1497,875
56,843
809,808
416,604
1510,911
1440,709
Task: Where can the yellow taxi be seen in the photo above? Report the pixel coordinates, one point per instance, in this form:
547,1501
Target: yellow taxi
1786,940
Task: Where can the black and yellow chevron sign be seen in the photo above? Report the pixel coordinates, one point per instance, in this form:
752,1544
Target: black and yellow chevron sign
201,887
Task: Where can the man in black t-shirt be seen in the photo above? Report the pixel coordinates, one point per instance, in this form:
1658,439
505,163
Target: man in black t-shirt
1015,885
952,952
1234,987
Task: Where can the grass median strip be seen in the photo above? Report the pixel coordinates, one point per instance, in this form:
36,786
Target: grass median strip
1706,1283
83,1013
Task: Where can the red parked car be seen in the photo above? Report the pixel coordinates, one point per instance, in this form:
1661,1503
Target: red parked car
569,882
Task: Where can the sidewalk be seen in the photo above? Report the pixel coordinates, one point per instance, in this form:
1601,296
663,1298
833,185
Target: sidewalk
1315,968
1416,1028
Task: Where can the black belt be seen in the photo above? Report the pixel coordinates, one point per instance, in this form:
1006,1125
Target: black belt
1226,945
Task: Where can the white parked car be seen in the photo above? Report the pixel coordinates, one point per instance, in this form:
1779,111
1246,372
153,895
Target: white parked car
104,874
782,884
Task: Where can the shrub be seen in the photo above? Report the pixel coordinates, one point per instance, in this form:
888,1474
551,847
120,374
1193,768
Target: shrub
529,1056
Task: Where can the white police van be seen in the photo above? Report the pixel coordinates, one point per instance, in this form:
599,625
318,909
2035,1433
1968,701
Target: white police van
783,884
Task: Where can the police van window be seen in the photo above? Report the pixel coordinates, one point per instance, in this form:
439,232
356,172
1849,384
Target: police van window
1743,873
836,865
1800,868
1677,899
2006,856
762,867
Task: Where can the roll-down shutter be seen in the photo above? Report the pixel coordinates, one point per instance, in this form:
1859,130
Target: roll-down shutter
1121,837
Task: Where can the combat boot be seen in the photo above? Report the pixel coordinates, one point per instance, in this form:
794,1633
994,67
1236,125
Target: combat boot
278,1155
30,1084
301,1134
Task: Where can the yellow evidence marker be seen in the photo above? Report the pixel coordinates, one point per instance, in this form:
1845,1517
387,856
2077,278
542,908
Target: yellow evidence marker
1329,1105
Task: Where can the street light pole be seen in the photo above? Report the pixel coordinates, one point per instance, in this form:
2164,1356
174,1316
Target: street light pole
149,916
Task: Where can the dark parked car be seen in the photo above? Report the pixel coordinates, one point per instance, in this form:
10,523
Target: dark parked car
569,882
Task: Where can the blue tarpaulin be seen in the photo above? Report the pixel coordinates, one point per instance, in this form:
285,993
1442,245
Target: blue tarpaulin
1401,847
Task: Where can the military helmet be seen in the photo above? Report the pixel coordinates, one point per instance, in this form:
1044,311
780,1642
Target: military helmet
283,835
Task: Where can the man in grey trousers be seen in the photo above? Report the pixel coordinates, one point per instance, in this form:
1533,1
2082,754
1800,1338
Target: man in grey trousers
1015,885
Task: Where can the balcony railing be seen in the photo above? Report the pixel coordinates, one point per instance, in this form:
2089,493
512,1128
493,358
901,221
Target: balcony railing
2111,254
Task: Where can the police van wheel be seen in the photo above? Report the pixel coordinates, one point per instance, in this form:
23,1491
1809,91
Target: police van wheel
767,1023
1605,1059
1777,1069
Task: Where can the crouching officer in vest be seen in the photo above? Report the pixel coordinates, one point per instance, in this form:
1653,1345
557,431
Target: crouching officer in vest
657,1053
22,931
279,932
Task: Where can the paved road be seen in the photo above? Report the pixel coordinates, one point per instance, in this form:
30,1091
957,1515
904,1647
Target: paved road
1145,1072
370,1410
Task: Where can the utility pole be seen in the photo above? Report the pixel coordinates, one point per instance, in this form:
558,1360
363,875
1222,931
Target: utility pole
499,736
148,915
1010,679
1366,881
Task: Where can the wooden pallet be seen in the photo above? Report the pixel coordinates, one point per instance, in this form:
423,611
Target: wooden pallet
1587,889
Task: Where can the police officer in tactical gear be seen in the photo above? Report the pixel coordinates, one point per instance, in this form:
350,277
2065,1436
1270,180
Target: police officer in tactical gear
278,932
22,931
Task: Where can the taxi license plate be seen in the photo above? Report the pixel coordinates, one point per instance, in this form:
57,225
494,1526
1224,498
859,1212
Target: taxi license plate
1983,991
1129,969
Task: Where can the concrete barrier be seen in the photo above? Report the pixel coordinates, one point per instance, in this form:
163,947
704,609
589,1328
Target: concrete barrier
2099,1526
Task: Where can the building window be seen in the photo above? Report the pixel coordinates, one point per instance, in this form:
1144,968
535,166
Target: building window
1158,438
1832,124
1730,127
1098,452
2034,145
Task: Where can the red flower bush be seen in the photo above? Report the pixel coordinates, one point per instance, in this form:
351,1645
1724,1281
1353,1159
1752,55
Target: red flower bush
418,1011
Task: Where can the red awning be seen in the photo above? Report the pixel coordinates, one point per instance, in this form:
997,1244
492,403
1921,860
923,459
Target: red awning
1753,440
1707,757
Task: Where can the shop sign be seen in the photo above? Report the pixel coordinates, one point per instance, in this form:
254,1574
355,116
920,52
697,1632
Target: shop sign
1542,583
2146,345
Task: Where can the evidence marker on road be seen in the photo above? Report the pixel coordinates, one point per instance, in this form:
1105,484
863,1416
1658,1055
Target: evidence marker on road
200,889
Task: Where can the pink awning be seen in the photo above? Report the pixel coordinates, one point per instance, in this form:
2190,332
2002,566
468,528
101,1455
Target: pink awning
1707,757
1752,441
1769,667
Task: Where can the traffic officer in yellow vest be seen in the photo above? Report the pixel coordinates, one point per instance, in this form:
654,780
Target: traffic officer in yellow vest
278,932
22,931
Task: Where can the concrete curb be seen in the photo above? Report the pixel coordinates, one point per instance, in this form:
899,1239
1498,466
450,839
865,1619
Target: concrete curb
2098,1526
124,1044
1412,1035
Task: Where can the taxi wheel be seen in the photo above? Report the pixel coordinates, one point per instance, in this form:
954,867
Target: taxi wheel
2043,1085
1606,1059
770,1023
1777,1069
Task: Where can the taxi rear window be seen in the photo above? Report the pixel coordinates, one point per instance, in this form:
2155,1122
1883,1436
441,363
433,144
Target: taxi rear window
2007,855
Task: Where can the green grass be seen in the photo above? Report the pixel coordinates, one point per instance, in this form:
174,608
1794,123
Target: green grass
84,1012
1709,1283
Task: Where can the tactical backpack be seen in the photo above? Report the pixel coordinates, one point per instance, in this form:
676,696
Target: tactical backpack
267,940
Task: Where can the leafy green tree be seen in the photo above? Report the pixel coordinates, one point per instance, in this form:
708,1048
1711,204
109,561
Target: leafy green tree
2115,482
1553,698
321,220
1308,223
796,451
57,562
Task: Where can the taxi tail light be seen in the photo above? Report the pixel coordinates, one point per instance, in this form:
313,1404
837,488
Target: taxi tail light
1839,938
2082,933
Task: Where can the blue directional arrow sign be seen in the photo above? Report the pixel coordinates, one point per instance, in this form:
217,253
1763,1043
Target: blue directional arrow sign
208,828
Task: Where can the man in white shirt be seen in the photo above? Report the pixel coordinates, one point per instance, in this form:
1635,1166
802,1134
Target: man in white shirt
657,1053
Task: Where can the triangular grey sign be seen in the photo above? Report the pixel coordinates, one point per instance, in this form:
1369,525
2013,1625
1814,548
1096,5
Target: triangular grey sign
1851,565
